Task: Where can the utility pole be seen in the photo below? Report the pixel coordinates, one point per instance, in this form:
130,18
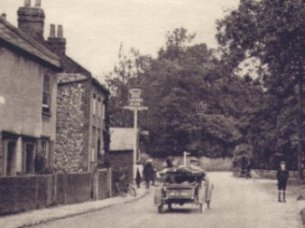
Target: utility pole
135,105
300,120
201,108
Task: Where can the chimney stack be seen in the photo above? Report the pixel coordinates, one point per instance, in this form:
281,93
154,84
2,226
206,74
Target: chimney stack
27,3
52,31
3,15
38,3
60,31
31,19
57,43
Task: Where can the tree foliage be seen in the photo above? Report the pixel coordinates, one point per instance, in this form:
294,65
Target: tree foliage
276,40
182,76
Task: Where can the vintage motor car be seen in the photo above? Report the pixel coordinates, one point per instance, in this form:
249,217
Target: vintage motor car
183,185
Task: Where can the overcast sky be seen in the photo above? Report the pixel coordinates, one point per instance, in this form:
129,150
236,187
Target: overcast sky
95,28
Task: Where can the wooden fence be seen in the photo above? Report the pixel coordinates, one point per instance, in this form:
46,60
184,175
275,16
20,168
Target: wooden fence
23,193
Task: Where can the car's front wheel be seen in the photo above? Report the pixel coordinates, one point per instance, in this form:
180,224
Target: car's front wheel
201,207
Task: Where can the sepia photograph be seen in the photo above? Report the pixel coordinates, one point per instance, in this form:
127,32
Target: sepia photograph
152,113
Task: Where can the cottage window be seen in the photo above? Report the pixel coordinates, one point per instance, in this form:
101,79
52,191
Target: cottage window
103,111
41,159
94,104
44,147
10,158
98,107
46,96
29,157
93,137
93,150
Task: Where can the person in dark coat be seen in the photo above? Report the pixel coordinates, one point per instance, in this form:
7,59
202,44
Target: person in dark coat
282,178
138,178
169,163
148,173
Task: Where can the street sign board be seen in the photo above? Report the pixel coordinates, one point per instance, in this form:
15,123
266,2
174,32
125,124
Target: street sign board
138,108
135,99
201,108
135,103
135,93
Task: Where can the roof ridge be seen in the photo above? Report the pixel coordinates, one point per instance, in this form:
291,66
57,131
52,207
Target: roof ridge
27,38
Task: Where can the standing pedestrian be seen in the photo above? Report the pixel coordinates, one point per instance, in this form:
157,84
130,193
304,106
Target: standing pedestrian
148,172
282,178
138,178
169,163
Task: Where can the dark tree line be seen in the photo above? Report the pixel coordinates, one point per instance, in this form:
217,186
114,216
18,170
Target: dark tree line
182,76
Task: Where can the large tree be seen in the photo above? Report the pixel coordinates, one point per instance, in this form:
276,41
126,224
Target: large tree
273,33
182,76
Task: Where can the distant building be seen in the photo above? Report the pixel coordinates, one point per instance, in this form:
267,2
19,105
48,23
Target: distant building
27,96
122,146
82,136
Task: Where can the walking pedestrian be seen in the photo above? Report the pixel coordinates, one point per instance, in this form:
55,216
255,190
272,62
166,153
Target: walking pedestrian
282,178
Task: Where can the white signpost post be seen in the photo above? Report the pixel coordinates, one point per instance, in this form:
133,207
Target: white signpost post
135,105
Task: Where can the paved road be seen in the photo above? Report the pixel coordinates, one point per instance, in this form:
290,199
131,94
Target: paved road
237,203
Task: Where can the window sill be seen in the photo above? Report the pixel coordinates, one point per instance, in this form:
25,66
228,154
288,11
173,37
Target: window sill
48,114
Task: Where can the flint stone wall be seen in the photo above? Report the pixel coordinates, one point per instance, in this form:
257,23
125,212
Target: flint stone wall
72,128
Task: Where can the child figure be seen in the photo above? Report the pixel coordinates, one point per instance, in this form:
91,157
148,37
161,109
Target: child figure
282,178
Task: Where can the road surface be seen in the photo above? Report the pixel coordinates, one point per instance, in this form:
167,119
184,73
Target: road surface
237,203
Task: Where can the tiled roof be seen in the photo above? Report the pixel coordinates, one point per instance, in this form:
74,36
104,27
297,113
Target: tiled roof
63,78
18,39
122,139
71,66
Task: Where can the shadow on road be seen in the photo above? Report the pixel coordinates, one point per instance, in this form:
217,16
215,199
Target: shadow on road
182,211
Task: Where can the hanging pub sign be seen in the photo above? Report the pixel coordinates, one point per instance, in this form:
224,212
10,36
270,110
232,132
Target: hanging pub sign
135,99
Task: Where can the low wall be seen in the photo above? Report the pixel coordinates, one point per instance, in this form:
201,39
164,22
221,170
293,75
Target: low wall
208,164
25,193
79,187
268,174
31,192
216,164
271,174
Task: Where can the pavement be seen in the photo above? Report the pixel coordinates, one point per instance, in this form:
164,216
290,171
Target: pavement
236,203
37,217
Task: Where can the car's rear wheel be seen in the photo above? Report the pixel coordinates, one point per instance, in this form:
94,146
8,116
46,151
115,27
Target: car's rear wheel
160,208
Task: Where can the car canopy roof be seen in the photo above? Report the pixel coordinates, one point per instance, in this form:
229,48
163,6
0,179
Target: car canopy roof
185,170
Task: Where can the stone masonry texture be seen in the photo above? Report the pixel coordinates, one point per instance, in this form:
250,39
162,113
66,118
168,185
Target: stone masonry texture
72,127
